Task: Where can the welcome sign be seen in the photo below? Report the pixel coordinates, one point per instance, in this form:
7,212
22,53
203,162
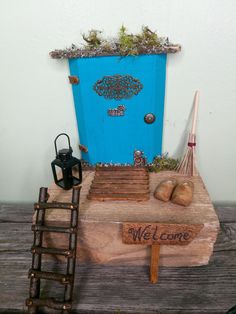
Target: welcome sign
157,234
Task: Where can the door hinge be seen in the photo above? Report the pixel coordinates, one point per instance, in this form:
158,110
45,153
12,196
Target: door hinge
83,148
73,79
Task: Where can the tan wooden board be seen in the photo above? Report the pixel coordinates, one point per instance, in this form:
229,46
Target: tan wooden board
159,233
100,225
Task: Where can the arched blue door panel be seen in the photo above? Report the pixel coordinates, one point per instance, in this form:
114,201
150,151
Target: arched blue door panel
113,139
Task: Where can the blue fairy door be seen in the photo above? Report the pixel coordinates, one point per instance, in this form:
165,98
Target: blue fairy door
119,104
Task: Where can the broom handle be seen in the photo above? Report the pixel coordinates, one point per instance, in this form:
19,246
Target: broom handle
196,103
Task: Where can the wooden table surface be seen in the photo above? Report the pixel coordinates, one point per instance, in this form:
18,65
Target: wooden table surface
118,289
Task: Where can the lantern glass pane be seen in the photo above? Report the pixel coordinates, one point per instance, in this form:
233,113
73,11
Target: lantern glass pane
59,172
76,174
75,171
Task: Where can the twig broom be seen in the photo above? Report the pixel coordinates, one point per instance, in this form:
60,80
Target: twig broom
187,165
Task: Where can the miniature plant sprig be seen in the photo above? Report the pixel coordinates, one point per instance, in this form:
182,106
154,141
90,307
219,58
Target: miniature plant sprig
136,44
163,163
160,163
93,39
127,42
124,44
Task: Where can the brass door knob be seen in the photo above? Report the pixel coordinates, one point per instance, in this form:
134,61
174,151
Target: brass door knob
149,118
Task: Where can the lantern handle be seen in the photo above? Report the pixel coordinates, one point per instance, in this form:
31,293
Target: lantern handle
55,141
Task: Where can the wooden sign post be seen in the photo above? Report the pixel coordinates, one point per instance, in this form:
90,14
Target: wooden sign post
156,234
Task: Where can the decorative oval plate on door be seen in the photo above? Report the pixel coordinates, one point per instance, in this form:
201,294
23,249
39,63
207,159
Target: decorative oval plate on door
118,87
149,118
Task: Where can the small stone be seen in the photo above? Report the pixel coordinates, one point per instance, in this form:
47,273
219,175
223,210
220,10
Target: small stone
164,190
183,193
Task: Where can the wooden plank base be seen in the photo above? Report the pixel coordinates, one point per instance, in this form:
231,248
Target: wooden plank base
121,289
100,225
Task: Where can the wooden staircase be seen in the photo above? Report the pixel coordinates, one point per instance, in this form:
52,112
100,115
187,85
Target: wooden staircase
36,273
120,183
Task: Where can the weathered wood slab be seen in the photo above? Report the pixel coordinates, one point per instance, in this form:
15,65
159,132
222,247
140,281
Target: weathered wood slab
108,289
14,241
18,213
122,289
100,225
226,213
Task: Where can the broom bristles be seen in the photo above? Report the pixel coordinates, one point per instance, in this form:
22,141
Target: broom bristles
187,165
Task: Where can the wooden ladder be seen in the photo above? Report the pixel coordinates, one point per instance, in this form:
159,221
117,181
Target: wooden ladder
36,273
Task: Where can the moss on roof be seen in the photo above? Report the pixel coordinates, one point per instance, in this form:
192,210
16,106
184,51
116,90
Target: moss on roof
125,44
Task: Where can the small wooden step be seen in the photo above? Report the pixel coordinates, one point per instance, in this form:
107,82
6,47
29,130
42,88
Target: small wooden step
120,183
52,251
119,197
123,177
63,279
118,186
131,187
118,174
119,191
121,168
49,302
53,229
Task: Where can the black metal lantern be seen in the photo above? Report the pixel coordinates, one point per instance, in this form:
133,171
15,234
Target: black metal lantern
67,163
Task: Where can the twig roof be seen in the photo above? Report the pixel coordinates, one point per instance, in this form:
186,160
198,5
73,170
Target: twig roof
147,42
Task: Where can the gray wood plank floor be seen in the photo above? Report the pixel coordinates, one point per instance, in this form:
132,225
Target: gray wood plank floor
109,289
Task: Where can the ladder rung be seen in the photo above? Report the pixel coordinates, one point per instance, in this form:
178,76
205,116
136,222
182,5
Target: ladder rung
63,279
52,251
49,302
53,229
70,206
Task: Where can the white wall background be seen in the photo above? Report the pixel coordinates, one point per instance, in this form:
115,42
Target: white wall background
36,99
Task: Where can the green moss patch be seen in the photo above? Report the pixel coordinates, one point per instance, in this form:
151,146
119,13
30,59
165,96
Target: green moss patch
124,44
